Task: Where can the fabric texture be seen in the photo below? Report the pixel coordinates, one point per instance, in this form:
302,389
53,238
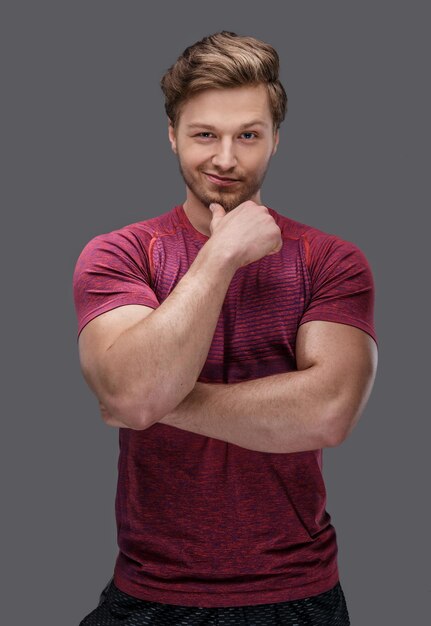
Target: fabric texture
202,522
119,609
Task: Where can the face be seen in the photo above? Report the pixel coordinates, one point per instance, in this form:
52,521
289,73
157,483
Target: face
224,140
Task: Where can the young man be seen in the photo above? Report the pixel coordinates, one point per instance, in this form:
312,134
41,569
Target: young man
230,344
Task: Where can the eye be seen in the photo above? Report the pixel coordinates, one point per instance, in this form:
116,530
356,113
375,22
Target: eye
249,133
202,135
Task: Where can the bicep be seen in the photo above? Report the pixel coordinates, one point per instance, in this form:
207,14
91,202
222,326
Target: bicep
335,344
99,335
346,358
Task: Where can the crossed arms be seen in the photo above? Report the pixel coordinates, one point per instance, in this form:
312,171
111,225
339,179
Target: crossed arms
131,353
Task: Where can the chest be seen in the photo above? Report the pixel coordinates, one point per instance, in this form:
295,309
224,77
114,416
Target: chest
256,331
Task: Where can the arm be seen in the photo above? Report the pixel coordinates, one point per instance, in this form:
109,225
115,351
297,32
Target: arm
314,407
141,363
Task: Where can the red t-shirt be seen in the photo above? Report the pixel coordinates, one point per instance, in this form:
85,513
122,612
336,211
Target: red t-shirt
202,522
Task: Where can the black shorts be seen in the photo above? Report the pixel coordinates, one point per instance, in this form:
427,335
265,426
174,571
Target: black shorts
117,608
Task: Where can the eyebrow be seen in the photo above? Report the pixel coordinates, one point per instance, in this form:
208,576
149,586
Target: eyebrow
246,125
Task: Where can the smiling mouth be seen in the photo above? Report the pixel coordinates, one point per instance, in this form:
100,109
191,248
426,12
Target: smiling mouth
218,180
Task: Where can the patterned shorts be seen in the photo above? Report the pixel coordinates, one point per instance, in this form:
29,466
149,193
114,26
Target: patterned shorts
117,608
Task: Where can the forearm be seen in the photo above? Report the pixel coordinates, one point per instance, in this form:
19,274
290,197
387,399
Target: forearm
263,414
287,412
153,365
316,406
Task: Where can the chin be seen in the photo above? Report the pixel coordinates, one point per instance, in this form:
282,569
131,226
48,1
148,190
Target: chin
228,205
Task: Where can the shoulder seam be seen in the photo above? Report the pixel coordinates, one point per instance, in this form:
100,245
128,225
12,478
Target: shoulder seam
150,256
155,236
307,249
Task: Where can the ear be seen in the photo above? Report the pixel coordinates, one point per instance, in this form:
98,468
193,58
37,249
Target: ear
276,140
172,137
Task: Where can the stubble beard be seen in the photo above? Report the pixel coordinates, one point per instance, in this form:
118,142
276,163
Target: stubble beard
228,199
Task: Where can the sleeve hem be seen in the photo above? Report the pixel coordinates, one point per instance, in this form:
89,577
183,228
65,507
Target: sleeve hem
341,319
113,304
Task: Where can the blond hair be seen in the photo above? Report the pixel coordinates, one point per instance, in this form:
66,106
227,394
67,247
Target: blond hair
224,60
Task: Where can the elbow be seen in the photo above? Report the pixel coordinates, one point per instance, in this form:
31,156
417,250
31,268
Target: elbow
140,413
122,404
133,416
334,437
141,405
140,401
339,424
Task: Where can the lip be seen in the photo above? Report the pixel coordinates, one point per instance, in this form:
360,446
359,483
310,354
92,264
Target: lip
221,181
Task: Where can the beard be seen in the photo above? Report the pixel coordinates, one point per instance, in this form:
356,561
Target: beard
228,198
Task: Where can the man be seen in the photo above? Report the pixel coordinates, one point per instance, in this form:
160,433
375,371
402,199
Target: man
230,345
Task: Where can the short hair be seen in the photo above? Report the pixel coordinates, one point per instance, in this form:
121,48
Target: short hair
224,60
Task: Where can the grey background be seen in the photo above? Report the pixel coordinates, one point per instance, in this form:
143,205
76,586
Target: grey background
85,151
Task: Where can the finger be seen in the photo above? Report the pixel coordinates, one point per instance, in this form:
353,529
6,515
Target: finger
217,210
277,249
218,213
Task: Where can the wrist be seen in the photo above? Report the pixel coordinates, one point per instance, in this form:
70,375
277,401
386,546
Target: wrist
196,398
219,257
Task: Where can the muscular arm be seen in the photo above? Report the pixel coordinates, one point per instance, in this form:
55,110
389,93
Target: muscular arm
140,365
314,407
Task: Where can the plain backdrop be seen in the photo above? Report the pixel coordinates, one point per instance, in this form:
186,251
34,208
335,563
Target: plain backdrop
85,150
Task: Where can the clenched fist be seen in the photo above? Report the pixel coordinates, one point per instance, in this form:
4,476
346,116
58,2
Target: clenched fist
247,233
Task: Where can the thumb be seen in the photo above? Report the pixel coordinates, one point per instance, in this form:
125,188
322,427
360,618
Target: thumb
217,213
217,209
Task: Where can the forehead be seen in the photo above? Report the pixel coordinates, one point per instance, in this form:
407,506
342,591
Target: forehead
225,108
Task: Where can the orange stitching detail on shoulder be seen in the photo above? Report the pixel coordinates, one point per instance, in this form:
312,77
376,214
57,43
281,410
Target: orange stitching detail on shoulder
150,255
156,236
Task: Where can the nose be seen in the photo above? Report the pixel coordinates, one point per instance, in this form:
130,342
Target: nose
224,157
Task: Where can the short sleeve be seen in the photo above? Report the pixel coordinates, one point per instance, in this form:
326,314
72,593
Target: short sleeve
112,270
342,284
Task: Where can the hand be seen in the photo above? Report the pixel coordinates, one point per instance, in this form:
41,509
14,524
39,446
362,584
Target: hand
248,232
